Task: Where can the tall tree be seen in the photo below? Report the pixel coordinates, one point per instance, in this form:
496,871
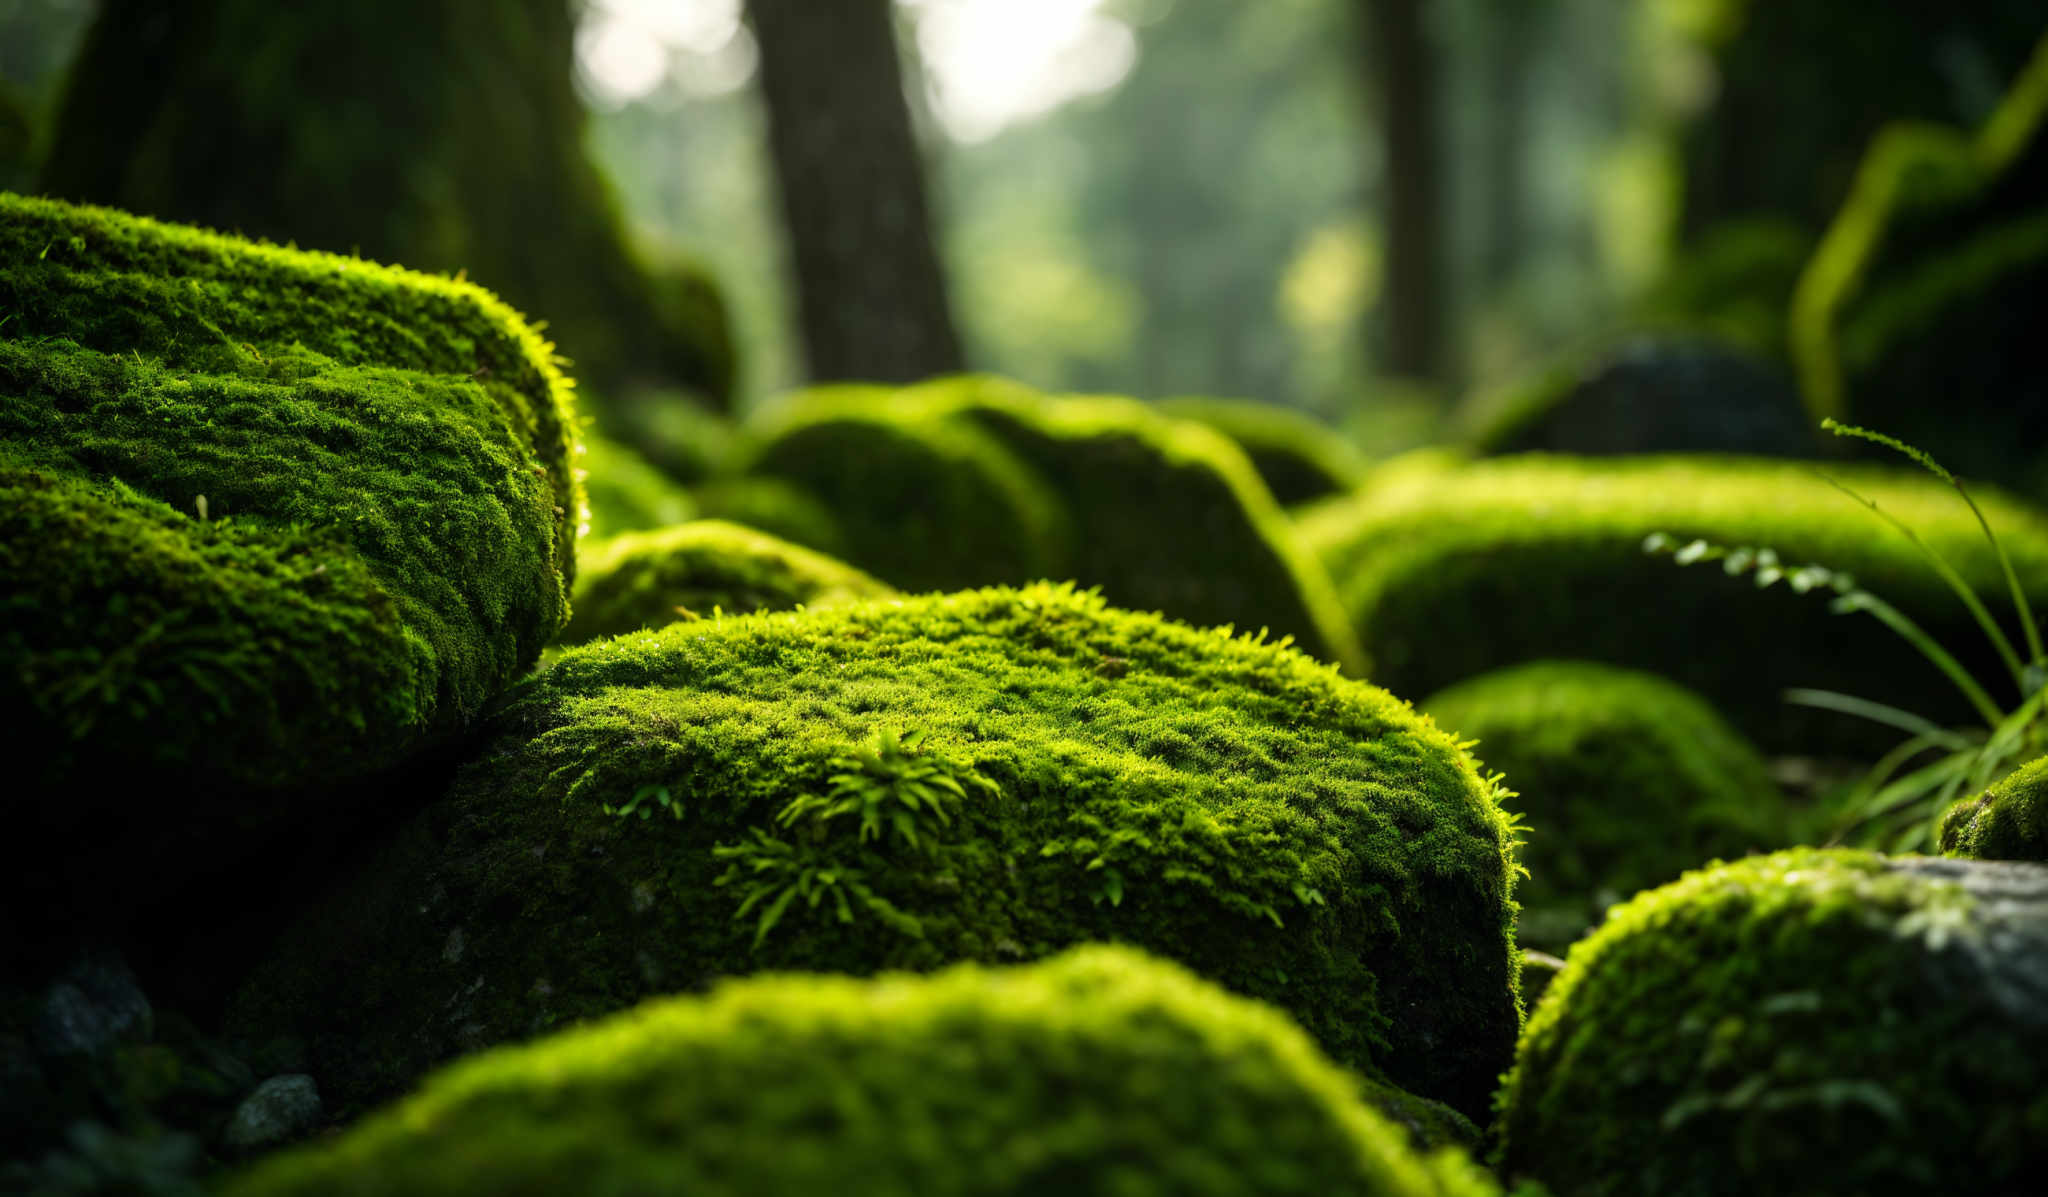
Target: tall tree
871,295
1401,63
440,134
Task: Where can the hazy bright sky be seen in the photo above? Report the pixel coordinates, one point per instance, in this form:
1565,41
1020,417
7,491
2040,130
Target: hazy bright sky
991,63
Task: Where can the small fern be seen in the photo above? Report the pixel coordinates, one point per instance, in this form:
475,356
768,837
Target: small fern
1897,804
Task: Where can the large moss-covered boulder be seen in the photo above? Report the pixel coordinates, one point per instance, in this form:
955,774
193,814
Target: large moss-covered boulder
992,775
1298,457
700,569
1649,394
1099,1072
1624,779
2009,821
1810,1022
774,506
253,116
625,493
1452,572
272,522
923,501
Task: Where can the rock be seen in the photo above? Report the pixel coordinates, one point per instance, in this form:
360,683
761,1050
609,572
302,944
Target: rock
1808,1022
280,1110
2008,821
91,1007
1098,1072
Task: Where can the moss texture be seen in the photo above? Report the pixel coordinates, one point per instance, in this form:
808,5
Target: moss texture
695,570
246,115
1098,1072
922,501
2009,821
625,493
1452,572
1108,776
1625,780
1298,457
1810,1022
272,520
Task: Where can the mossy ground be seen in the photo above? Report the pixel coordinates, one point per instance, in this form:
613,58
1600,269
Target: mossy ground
1624,780
1233,805
1099,1072
274,521
643,580
1452,571
1809,1022
2009,821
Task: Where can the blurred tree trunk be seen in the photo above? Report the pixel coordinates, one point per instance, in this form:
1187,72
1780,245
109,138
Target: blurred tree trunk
872,298
442,135
1511,25
1401,66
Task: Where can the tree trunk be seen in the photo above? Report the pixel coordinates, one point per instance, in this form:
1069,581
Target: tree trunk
439,134
872,299
1402,65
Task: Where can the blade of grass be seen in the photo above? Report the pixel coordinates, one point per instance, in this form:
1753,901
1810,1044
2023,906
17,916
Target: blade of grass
1949,575
1896,620
1877,712
2012,581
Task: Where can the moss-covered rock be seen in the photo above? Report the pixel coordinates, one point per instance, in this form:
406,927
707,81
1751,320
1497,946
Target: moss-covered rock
923,501
1810,1022
773,506
647,579
1298,457
626,493
1100,1071
2009,821
1625,780
711,798
676,431
1451,572
246,115
1166,515
1665,393
272,521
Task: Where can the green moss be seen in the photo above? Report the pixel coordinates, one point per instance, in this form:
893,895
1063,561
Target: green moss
1810,1022
273,521
925,502
253,116
773,506
1234,805
627,494
1101,1071
1298,457
2009,821
1625,780
1166,515
677,432
1449,573
647,579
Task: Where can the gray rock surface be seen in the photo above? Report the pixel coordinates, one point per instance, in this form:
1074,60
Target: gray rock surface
281,1109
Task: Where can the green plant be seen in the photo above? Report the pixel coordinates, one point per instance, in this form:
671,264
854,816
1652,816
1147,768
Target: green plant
1898,802
886,785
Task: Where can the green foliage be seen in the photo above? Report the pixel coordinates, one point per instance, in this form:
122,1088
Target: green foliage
699,569
254,116
1809,1022
1451,572
1626,780
1098,1072
1883,809
1297,456
924,502
675,431
626,493
2008,821
1296,836
775,507
272,521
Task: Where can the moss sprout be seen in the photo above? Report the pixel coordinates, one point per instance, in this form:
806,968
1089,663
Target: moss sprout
2009,821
